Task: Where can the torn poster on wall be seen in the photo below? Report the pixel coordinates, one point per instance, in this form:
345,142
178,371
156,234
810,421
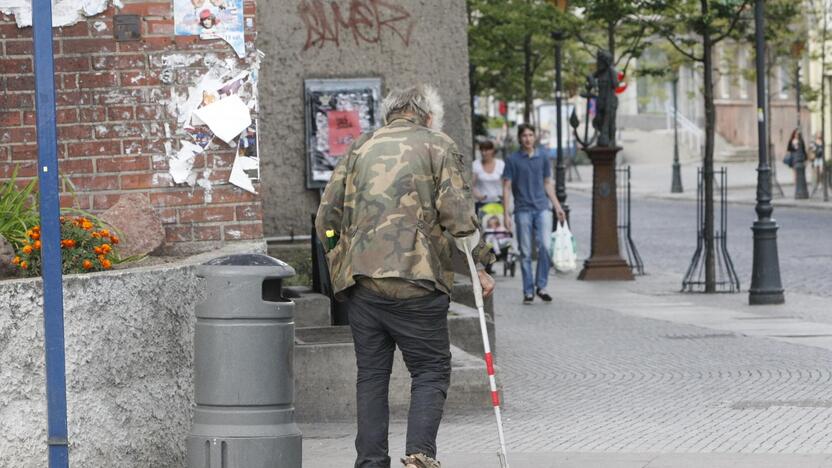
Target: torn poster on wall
337,111
211,19
221,106
64,12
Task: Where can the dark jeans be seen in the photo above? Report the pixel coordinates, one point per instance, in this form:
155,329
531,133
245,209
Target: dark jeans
419,327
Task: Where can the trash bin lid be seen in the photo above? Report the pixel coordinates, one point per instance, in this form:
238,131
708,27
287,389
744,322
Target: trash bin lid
246,265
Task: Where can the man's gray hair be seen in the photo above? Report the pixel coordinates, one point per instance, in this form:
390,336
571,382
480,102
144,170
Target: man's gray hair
422,101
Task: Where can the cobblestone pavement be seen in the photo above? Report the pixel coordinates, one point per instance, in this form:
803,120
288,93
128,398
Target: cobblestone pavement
665,233
593,381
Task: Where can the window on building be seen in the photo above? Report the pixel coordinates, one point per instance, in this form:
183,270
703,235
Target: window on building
784,81
724,79
742,66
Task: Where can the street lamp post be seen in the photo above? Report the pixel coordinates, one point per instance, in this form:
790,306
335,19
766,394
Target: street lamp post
766,287
676,184
560,167
801,191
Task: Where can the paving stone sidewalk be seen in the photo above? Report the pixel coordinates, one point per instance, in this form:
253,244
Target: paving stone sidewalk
638,375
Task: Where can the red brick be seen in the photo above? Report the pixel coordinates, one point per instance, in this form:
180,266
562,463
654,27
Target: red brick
231,195
11,31
10,119
79,29
66,81
18,135
178,198
102,201
159,27
139,78
223,159
136,181
147,9
206,214
129,130
178,233
150,113
14,66
123,164
93,148
249,8
118,62
207,233
24,169
93,183
75,166
21,83
97,80
24,152
77,201
242,231
220,175
74,132
73,98
72,64
151,147
121,97
93,114
120,113
167,215
62,116
10,101
195,43
22,47
249,213
88,46
147,44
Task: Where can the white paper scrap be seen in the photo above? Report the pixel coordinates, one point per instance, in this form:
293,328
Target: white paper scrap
227,117
238,172
181,164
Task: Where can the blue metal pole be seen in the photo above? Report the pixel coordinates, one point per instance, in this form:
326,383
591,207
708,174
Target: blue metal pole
53,307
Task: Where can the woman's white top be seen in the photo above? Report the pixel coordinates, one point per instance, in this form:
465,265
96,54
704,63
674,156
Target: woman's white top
490,184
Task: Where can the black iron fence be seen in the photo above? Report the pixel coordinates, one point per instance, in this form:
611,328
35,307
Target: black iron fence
726,276
625,231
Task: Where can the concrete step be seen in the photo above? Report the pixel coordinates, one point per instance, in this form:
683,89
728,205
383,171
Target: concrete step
311,309
325,378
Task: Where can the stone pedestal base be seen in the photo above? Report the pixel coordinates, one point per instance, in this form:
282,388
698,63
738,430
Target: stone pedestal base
605,262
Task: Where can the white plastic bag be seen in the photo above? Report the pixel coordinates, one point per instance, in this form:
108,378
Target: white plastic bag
564,253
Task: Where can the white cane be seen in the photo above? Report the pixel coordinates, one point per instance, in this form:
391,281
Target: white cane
467,244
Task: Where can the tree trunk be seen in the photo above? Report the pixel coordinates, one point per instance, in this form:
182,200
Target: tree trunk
611,40
528,92
708,163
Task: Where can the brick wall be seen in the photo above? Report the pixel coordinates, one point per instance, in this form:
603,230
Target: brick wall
111,115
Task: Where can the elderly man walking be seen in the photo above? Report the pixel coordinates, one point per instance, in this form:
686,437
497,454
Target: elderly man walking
391,202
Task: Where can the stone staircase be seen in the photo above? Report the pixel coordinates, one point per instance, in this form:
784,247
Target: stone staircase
324,361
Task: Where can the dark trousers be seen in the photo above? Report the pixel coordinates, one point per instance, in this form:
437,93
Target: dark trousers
419,327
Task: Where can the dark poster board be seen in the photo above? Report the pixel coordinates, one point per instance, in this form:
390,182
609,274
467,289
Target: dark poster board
337,111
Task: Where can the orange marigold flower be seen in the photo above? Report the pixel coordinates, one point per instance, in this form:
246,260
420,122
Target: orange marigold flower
86,225
36,245
68,243
105,233
62,219
87,264
106,264
35,235
101,258
16,260
24,265
27,249
29,232
106,248
97,250
114,240
95,235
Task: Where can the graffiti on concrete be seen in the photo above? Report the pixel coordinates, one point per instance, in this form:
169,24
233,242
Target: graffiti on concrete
326,20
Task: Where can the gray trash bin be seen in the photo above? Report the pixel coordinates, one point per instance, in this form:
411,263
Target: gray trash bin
243,377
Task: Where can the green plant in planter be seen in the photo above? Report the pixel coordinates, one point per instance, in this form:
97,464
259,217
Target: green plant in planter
18,210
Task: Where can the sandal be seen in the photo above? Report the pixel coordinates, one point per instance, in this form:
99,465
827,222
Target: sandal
420,461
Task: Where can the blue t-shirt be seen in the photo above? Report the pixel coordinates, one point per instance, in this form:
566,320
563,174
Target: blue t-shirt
527,176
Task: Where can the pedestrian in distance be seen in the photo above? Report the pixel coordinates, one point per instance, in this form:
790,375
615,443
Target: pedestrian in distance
390,202
818,158
528,179
486,175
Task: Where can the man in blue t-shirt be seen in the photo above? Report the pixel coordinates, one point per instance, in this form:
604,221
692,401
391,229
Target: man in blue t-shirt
528,178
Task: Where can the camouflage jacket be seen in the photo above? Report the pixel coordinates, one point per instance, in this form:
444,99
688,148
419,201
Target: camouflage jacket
391,199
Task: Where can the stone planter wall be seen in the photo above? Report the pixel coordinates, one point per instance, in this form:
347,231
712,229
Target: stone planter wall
129,355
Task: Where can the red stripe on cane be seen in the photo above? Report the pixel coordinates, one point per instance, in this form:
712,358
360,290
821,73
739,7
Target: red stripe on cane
489,363
495,398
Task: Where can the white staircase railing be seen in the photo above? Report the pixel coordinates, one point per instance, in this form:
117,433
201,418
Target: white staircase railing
690,135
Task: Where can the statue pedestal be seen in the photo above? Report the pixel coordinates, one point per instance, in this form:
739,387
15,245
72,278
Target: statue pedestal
605,262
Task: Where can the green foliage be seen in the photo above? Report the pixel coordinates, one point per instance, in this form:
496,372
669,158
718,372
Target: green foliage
18,210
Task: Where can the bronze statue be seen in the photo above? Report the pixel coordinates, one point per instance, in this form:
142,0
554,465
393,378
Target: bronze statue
606,81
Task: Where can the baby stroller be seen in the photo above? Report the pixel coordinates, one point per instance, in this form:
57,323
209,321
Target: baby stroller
500,239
